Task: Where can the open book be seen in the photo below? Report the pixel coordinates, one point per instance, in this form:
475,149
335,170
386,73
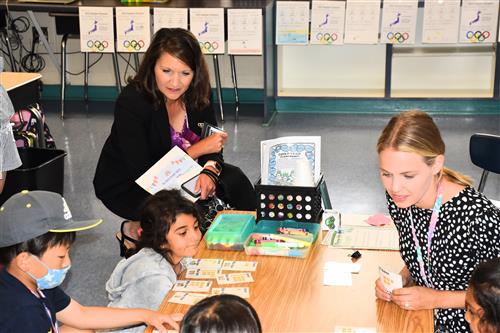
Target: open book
170,172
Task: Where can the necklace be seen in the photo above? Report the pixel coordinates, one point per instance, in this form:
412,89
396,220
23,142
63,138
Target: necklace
430,235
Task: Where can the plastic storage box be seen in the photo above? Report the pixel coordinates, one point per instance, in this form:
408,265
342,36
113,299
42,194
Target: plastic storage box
266,239
229,232
299,203
42,169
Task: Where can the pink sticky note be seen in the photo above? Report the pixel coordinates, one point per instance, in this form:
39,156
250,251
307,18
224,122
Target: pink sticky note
378,220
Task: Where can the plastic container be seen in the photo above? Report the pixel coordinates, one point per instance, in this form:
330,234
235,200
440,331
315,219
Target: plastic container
299,203
282,244
42,169
229,232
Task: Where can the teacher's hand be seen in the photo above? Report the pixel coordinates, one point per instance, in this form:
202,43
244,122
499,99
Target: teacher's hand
414,298
206,185
214,143
381,292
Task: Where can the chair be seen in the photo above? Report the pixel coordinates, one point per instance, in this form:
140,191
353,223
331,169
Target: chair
484,152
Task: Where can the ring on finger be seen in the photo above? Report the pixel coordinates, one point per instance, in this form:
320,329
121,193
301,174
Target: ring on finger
407,305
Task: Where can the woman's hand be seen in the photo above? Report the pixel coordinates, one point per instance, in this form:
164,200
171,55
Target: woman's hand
381,292
157,319
209,145
415,298
205,185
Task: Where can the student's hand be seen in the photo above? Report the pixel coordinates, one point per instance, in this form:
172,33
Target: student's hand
381,292
206,185
157,319
214,143
414,298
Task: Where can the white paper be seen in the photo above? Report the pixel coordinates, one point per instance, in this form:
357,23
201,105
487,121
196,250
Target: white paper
292,22
478,22
390,280
173,169
366,237
244,31
327,22
96,29
342,267
332,278
441,21
279,158
133,29
170,18
362,21
399,21
207,24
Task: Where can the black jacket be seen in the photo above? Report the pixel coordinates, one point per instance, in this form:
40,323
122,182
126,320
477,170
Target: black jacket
139,137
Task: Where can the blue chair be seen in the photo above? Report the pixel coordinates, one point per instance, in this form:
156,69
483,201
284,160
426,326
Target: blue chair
484,152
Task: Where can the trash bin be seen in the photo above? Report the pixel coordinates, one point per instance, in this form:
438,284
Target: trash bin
42,169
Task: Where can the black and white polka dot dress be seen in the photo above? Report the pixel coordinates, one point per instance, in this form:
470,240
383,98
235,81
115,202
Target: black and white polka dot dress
467,233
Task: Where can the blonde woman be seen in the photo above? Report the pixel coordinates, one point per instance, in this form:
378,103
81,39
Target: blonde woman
446,228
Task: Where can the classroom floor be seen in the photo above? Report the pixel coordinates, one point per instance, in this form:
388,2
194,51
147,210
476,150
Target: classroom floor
349,164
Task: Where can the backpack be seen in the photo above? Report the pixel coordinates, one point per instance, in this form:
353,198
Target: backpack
26,125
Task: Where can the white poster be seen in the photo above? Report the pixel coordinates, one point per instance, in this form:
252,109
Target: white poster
207,24
478,22
399,22
292,22
441,21
96,29
133,29
244,35
170,18
362,20
327,22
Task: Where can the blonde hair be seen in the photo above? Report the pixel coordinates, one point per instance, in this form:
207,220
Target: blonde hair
414,131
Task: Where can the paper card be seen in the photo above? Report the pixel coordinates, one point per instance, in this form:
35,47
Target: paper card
207,24
170,18
342,267
390,280
133,29
233,278
243,292
244,31
181,297
192,285
441,21
96,29
362,21
205,263
478,22
399,22
292,22
229,265
327,22
200,273
334,278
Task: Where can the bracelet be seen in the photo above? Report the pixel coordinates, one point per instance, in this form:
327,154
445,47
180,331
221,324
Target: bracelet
212,175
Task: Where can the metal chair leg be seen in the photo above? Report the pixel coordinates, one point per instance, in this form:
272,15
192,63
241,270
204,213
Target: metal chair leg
63,72
235,86
86,79
117,73
13,65
218,86
136,61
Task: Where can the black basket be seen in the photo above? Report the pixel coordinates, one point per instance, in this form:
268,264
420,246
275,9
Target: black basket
298,203
42,169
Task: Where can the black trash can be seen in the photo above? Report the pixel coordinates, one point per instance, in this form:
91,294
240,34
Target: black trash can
42,169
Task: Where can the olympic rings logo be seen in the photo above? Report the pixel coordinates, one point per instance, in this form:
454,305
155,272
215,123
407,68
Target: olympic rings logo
326,38
133,44
478,36
397,37
208,47
97,45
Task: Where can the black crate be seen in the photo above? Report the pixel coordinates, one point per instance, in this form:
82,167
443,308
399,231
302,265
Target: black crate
298,203
42,169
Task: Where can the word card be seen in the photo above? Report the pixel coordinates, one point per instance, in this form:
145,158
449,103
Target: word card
243,292
206,263
234,278
181,297
192,285
229,265
200,273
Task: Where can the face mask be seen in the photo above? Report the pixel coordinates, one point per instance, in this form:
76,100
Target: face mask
52,279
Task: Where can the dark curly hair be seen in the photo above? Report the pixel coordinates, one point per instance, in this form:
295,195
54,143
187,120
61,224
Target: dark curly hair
157,215
183,45
485,284
221,314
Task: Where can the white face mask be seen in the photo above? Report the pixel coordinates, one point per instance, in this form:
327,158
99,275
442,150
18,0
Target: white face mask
52,279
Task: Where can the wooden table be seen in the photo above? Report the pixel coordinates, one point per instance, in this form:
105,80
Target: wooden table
289,296
23,88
